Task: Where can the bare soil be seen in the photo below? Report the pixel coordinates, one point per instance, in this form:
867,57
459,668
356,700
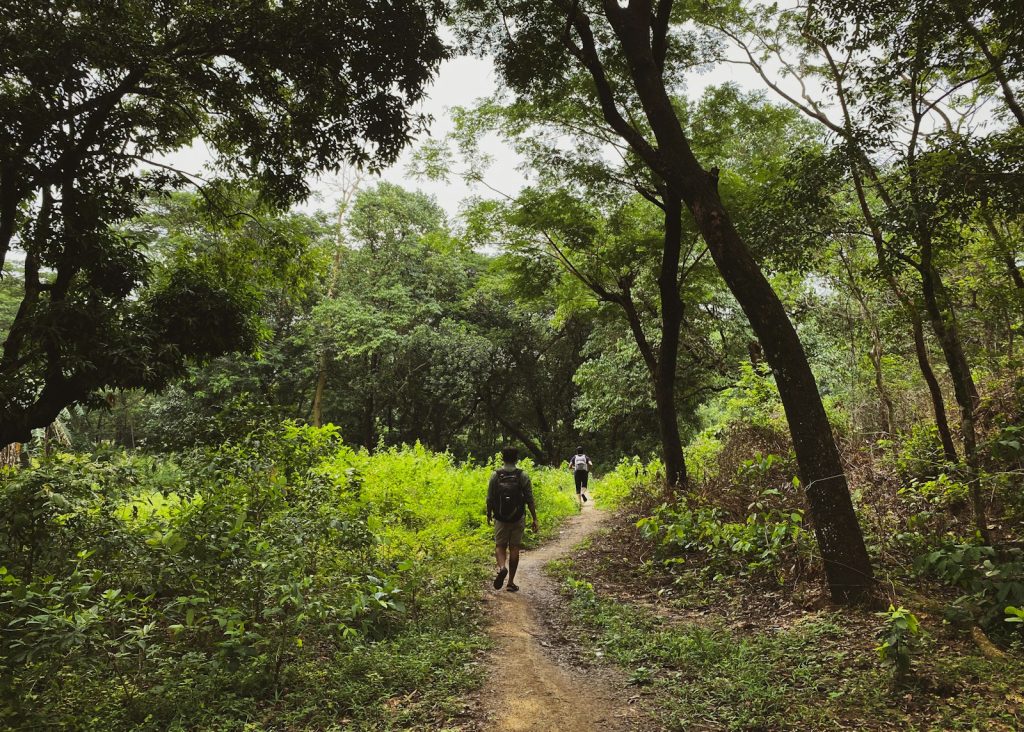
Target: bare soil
534,681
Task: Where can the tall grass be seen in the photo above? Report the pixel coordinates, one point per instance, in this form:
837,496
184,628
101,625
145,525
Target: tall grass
631,478
287,578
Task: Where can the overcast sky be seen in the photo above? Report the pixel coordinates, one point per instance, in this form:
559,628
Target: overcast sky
460,82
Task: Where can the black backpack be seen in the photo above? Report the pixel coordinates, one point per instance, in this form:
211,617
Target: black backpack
510,498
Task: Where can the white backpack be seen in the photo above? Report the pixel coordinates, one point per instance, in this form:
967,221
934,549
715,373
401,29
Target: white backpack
579,462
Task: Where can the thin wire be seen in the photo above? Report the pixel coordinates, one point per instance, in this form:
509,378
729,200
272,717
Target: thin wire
820,480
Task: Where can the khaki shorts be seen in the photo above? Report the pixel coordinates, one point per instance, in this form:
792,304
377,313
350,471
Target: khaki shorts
509,534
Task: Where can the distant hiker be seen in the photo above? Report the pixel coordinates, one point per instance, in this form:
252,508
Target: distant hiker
580,465
509,493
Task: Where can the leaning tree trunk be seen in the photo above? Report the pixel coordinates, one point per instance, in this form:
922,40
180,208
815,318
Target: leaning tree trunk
836,528
942,317
847,565
934,390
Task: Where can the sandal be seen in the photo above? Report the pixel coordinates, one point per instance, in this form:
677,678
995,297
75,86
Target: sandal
499,579
512,587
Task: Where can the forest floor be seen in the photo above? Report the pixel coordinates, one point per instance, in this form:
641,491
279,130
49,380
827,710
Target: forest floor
534,679
732,653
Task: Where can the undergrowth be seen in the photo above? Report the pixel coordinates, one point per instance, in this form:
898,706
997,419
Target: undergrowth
820,673
283,581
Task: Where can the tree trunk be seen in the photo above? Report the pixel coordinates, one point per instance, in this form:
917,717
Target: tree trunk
910,308
938,401
943,322
838,533
662,365
671,443
668,352
663,387
888,412
847,566
318,394
942,316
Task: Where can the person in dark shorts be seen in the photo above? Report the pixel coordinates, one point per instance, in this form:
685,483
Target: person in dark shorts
580,465
509,494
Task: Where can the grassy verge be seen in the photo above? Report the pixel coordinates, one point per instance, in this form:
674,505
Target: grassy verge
817,673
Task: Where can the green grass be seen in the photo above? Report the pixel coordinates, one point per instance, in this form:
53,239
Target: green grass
819,674
631,478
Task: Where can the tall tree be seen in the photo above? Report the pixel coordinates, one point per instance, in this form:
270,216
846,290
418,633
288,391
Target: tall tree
96,93
633,55
348,185
638,268
907,92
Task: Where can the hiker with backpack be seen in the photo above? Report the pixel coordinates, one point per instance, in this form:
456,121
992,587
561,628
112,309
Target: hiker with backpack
509,494
580,465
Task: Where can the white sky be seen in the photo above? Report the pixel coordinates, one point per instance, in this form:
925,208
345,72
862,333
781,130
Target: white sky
460,82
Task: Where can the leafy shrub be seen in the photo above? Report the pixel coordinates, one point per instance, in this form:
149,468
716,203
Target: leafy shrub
138,591
702,455
898,640
754,400
631,479
940,492
989,582
1007,445
761,541
917,455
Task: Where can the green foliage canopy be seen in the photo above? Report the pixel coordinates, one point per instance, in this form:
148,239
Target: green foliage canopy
87,121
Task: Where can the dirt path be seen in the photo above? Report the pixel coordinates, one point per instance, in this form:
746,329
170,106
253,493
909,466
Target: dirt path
528,686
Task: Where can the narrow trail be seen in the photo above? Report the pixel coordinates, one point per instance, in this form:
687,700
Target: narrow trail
528,686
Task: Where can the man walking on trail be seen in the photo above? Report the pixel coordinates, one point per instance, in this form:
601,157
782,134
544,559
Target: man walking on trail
581,466
509,494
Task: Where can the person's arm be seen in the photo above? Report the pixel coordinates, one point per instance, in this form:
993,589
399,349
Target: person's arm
528,493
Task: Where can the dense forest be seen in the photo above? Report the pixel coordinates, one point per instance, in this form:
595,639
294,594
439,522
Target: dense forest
766,268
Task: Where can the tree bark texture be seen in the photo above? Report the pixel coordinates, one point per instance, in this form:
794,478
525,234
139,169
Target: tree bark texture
668,352
663,386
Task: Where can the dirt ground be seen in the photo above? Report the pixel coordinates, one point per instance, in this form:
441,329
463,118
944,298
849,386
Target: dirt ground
533,682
